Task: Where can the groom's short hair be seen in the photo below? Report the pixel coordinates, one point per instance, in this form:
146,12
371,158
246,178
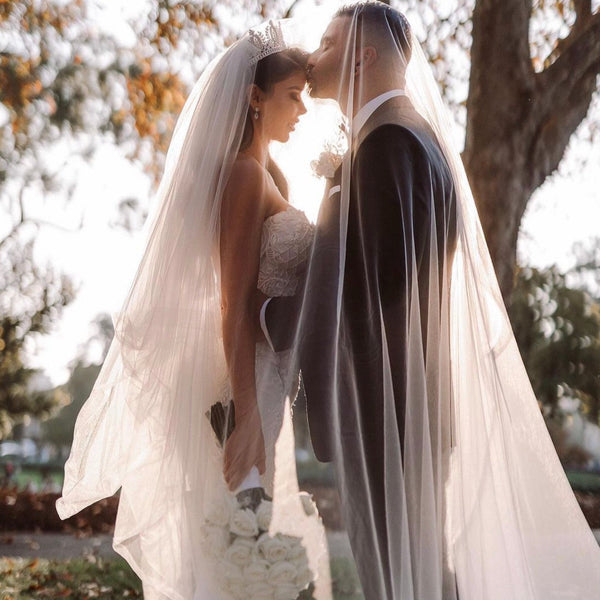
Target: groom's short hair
377,21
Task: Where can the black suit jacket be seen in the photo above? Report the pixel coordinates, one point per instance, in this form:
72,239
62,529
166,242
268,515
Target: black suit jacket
397,174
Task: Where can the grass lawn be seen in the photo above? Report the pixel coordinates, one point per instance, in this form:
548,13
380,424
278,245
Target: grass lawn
94,577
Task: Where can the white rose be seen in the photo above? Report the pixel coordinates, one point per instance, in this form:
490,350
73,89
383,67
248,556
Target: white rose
264,514
295,548
273,548
257,570
310,508
240,552
304,576
219,513
230,574
215,540
282,572
259,590
243,522
287,591
236,590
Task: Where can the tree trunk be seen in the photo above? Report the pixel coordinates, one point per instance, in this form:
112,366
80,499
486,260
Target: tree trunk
519,122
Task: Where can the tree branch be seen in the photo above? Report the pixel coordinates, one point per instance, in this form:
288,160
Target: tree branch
564,94
23,220
583,10
19,223
580,55
500,40
501,76
552,137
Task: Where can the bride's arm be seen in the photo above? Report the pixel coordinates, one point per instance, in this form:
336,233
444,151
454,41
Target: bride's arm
242,214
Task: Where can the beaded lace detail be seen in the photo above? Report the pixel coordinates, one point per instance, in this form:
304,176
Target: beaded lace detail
285,246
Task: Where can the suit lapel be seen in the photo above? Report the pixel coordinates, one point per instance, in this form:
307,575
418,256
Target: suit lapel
397,111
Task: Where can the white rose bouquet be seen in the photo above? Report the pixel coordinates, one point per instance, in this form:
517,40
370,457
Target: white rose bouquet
252,562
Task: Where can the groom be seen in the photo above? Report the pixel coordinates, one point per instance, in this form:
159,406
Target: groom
352,322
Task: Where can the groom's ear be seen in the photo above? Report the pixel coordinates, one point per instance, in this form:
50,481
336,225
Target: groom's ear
366,57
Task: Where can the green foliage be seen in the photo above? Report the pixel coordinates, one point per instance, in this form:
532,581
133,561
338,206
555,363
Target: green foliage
79,579
59,429
344,579
557,328
584,481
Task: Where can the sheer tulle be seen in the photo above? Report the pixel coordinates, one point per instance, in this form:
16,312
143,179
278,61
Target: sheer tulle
450,485
416,390
144,428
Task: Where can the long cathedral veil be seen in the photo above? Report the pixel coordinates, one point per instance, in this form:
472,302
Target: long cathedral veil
145,427
450,483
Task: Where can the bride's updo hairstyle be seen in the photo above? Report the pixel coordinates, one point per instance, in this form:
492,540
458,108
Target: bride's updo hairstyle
271,70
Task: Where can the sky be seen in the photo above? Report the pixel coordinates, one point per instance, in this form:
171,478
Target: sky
102,259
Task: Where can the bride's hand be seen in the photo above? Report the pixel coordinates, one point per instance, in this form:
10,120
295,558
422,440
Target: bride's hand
244,449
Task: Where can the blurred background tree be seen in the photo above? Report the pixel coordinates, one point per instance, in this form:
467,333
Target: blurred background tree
31,298
557,328
58,430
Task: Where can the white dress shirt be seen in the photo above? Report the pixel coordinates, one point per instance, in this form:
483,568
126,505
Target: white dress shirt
363,114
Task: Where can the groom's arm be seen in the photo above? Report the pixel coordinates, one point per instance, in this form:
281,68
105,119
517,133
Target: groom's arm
391,219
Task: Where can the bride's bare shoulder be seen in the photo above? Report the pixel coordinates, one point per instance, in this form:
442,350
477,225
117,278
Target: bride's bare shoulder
245,195
247,176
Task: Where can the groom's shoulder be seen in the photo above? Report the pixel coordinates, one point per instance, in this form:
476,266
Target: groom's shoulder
394,138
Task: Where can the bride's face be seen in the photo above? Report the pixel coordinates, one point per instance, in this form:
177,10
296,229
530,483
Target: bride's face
282,107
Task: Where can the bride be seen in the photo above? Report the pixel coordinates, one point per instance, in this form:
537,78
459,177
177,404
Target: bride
192,406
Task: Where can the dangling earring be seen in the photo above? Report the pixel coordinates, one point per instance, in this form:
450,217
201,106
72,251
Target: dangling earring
256,113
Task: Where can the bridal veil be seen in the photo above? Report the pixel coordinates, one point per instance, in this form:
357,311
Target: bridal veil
469,500
443,458
145,428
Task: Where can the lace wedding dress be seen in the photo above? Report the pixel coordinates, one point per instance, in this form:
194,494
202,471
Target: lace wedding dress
285,246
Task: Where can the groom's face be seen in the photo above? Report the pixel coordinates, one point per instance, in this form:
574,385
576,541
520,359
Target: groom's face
326,63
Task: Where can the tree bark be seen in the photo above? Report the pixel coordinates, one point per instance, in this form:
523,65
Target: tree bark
519,122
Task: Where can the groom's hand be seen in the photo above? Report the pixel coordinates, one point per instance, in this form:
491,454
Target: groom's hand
244,449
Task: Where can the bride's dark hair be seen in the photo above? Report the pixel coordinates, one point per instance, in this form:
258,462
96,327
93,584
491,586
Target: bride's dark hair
271,70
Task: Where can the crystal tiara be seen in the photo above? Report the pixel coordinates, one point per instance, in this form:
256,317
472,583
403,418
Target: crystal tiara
267,41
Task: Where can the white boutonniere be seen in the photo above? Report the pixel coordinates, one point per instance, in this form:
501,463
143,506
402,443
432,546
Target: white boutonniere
332,156
327,164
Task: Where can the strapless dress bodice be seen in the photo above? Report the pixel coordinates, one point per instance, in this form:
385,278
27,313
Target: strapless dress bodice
285,246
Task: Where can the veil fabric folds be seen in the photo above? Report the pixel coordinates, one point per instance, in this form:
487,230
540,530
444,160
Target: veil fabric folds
145,428
450,485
